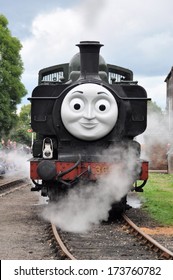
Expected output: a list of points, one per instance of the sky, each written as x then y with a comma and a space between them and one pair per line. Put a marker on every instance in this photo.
137, 35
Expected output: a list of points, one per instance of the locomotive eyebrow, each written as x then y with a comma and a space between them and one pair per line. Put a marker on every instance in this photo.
78, 91
102, 92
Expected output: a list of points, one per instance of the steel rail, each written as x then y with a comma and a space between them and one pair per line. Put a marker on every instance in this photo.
165, 253
61, 244
12, 186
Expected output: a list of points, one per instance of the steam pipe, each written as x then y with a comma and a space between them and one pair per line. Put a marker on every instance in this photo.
71, 168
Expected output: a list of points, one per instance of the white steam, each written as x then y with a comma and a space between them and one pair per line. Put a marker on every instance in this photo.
156, 140
157, 129
85, 206
16, 163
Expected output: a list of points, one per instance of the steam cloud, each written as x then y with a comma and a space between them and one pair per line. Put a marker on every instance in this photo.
85, 206
15, 162
156, 135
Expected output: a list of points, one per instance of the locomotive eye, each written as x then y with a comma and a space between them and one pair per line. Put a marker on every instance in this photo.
102, 106
77, 104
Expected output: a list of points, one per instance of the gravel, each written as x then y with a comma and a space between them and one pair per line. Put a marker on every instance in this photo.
23, 232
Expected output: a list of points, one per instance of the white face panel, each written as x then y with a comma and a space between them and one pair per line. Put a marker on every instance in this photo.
89, 111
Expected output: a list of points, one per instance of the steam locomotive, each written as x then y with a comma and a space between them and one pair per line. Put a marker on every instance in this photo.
80, 112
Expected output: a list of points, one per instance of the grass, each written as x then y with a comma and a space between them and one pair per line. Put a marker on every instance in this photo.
158, 198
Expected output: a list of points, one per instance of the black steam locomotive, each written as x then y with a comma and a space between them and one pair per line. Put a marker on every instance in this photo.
81, 112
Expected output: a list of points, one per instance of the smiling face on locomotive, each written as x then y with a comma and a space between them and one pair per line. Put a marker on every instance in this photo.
89, 111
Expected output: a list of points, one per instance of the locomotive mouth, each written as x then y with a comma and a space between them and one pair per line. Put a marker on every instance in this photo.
88, 125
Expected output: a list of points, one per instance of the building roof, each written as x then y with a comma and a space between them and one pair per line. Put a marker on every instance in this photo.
169, 75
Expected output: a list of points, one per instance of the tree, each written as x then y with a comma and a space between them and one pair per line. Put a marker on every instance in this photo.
154, 108
11, 68
22, 132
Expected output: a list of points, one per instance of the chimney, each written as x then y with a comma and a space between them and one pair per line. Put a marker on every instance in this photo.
89, 59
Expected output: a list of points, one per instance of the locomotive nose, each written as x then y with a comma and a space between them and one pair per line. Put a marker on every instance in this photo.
89, 113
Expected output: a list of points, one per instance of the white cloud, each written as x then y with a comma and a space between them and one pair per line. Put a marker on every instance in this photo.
136, 36
51, 38
155, 88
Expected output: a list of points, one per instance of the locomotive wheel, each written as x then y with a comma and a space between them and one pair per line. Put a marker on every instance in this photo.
117, 209
55, 194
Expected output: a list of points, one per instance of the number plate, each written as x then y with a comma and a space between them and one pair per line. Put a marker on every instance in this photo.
98, 169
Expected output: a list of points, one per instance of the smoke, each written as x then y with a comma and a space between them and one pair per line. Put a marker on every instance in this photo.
155, 141
15, 162
134, 200
157, 128
91, 11
85, 206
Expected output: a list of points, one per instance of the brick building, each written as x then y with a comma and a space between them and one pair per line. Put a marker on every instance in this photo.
169, 106
169, 98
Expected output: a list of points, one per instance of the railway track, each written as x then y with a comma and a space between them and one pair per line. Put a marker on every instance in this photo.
163, 252
11, 185
121, 240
